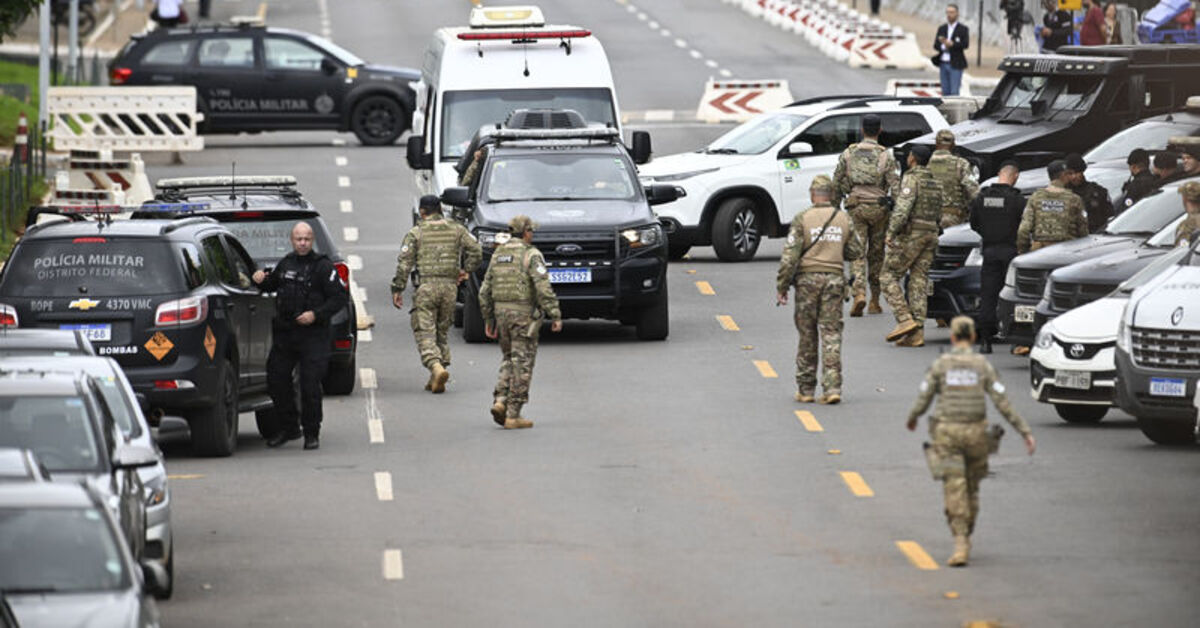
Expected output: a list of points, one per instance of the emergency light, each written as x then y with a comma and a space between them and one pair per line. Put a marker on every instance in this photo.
522, 36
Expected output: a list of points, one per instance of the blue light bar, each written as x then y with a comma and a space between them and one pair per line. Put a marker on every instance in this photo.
174, 208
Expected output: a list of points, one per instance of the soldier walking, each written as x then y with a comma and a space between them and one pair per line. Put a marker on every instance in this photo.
1096, 203
1186, 232
912, 236
515, 295
443, 253
820, 241
1054, 213
866, 180
956, 178
958, 429
995, 216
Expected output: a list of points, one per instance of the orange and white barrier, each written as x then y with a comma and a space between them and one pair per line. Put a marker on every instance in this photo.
737, 101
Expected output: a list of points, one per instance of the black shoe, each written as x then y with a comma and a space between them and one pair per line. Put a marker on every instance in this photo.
282, 437
985, 346
312, 442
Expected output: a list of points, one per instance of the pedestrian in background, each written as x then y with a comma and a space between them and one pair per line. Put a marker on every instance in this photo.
1096, 202
996, 216
951, 40
1112, 24
169, 13
956, 177
1166, 167
443, 253
1057, 26
308, 292
961, 443
1093, 31
912, 237
821, 240
516, 294
866, 179
1188, 148
1141, 181
875, 7
1186, 232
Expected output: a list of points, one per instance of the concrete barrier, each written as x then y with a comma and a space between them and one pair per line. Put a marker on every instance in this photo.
736, 101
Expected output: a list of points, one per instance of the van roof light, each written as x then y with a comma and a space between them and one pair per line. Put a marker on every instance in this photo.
500, 17
523, 36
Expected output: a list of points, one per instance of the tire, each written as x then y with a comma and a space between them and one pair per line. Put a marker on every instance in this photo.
654, 321
737, 230
1167, 432
166, 592
378, 121
473, 327
339, 380
267, 424
215, 429
1076, 413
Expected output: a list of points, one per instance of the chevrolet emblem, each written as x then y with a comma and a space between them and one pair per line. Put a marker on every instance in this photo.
84, 304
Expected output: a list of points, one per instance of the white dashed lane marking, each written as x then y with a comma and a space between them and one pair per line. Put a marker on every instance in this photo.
354, 262
383, 486
346, 206
343, 181
374, 419
393, 565
368, 378
350, 234
340, 160
337, 141
364, 335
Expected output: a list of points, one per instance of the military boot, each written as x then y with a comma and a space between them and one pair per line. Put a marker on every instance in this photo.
985, 345
429, 382
498, 411
874, 307
803, 397
517, 423
830, 399
915, 339
438, 378
860, 302
942, 324
1020, 350
902, 329
962, 551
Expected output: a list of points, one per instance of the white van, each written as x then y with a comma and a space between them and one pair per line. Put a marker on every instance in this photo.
506, 59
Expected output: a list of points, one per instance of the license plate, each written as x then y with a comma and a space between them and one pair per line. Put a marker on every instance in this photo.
1024, 313
570, 275
1168, 387
1078, 380
99, 332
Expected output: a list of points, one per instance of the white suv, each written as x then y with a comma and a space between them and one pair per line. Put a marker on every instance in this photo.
753, 180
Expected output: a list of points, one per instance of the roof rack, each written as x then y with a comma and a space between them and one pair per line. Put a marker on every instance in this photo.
904, 100
184, 222
177, 190
608, 134
821, 99
205, 182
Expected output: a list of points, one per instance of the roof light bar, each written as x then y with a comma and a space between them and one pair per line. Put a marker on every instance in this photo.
518, 36
207, 182
172, 207
117, 209
556, 134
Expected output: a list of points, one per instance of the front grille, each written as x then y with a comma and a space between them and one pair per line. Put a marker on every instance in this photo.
1031, 283
950, 257
1068, 296
1168, 403
579, 251
1085, 351
1166, 349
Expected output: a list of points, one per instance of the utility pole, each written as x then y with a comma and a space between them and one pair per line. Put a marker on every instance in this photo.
43, 60
73, 42
979, 38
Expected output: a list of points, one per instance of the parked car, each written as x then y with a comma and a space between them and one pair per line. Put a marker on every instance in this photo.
21, 342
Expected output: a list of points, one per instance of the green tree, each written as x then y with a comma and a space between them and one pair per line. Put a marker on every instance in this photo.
12, 13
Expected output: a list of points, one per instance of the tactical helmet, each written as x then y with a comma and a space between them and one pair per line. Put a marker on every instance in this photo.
945, 136
1190, 191
520, 224
822, 184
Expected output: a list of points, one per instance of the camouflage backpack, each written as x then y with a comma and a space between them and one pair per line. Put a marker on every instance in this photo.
438, 248
866, 163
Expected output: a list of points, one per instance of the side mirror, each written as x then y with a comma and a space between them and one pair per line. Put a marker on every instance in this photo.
799, 148
641, 149
328, 66
659, 194
154, 577
418, 159
133, 456
457, 197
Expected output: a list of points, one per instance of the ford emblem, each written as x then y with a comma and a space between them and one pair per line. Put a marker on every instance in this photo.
1077, 350
568, 249
1177, 316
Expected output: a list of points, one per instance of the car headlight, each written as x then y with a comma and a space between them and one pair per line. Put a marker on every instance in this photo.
1045, 337
1124, 336
155, 489
1010, 277
487, 239
975, 257
668, 178
641, 237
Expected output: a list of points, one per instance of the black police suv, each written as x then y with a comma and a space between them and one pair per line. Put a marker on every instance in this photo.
170, 300
258, 78
261, 211
605, 250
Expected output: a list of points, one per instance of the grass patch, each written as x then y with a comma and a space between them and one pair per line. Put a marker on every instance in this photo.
10, 108
9, 237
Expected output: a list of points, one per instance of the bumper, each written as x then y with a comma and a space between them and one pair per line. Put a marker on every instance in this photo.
634, 284
202, 375
679, 234
1043, 364
1017, 332
954, 292
1133, 392
158, 532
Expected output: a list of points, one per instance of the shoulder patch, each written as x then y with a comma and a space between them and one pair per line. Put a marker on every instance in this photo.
998, 387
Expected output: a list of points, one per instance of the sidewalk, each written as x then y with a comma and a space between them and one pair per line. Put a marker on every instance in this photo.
116, 22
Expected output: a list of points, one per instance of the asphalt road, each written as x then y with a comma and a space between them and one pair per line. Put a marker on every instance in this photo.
666, 483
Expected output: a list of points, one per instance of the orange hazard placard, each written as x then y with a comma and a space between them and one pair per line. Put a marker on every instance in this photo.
159, 345
210, 342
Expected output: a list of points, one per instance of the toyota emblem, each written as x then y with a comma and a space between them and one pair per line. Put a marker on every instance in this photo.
1077, 350
568, 249
1177, 316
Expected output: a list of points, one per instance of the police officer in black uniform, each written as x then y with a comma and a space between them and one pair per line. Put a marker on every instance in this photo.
1141, 181
308, 293
1095, 197
995, 214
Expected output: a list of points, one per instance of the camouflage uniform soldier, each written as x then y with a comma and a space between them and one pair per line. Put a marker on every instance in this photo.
1053, 214
436, 247
912, 237
1187, 230
866, 178
958, 428
820, 240
957, 178
515, 294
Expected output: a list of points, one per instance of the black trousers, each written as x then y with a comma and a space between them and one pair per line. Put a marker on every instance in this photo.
996, 258
307, 348
875, 7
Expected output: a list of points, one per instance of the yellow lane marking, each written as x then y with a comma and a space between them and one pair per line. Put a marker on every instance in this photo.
185, 476
383, 486
393, 565
764, 369
917, 555
834, 452
809, 421
857, 484
705, 288
727, 323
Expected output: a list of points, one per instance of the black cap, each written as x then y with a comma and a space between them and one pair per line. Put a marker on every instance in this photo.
1166, 160
1140, 157
1056, 168
1010, 163
922, 153
1076, 163
429, 201
871, 124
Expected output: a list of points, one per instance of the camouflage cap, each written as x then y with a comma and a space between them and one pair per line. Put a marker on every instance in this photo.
1186, 145
962, 327
821, 183
520, 224
1190, 191
945, 136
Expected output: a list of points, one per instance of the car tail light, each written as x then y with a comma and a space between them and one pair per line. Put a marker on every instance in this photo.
341, 344
91, 240
173, 384
343, 272
119, 75
8, 316
181, 312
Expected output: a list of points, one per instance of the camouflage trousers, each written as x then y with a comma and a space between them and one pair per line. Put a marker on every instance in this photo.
963, 448
518, 343
870, 223
818, 313
432, 315
912, 255
953, 216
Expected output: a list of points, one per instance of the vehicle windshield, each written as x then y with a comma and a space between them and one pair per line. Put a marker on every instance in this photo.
1151, 271
464, 112
343, 55
1069, 93
1150, 135
758, 135
95, 266
559, 176
268, 240
59, 550
57, 429
1148, 215
1165, 236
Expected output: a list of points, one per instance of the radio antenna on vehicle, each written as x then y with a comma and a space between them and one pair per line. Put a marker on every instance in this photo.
233, 181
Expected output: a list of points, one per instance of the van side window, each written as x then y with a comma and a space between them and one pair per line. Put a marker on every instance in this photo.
171, 52
832, 135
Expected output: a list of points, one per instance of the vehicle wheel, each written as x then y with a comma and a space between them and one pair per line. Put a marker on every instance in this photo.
339, 380
1167, 432
736, 231
1075, 413
378, 121
215, 429
677, 247
472, 318
654, 321
166, 592
268, 425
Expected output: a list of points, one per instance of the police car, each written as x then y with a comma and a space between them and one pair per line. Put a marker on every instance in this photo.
255, 78
170, 300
